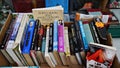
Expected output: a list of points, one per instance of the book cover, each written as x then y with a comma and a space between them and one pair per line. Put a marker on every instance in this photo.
48, 15
63, 3
29, 37
88, 33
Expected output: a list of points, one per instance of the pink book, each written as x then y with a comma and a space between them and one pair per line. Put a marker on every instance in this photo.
60, 37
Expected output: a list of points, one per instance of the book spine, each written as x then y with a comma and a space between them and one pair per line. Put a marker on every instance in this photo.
16, 27
35, 37
47, 41
44, 40
67, 48
29, 37
85, 42
40, 32
55, 36
71, 41
43, 44
76, 49
60, 37
50, 49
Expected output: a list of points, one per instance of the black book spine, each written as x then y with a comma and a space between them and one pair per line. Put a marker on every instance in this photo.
33, 46
76, 48
50, 48
79, 36
71, 41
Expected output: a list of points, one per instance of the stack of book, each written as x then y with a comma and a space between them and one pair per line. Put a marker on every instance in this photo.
46, 41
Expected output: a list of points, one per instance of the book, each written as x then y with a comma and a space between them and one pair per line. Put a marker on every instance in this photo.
41, 44
88, 33
55, 42
61, 46
11, 41
73, 59
17, 44
34, 45
67, 46
77, 47
63, 3
28, 41
85, 42
6, 39
48, 15
94, 33
50, 48
47, 56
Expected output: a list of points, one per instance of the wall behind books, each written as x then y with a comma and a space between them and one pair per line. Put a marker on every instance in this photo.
27, 5
73, 5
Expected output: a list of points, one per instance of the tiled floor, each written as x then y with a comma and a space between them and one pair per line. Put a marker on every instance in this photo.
116, 43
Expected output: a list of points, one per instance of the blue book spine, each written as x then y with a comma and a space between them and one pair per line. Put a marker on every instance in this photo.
63, 3
43, 44
55, 36
83, 36
16, 27
29, 37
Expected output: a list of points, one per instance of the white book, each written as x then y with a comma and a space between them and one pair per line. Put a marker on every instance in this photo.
11, 42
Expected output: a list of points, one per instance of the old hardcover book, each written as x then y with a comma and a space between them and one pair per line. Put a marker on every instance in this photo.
48, 15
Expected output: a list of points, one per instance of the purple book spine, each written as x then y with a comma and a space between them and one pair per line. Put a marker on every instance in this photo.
60, 38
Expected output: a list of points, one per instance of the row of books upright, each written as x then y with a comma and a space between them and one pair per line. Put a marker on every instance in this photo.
28, 42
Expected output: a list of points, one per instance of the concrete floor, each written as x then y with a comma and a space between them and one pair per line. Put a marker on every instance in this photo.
116, 43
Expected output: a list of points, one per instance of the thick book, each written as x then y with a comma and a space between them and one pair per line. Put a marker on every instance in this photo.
19, 38
10, 43
48, 15
28, 41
